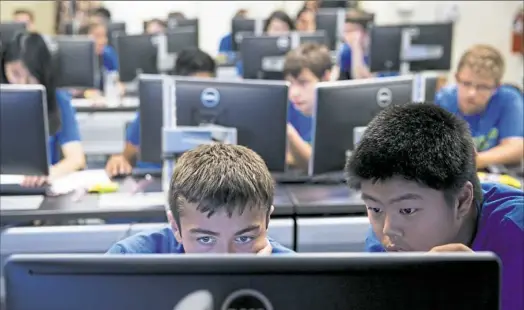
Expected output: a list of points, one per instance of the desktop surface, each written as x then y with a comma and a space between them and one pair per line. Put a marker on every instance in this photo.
324, 281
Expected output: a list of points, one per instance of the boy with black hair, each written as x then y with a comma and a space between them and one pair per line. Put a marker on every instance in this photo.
190, 62
100, 15
415, 167
220, 200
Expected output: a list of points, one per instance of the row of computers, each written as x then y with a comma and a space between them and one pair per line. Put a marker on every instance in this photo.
256, 109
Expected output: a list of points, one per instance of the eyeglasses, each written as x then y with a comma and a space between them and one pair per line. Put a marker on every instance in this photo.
480, 88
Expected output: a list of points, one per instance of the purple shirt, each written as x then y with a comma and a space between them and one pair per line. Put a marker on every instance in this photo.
501, 231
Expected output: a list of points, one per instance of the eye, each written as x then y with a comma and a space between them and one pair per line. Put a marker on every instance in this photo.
374, 210
206, 240
243, 239
408, 211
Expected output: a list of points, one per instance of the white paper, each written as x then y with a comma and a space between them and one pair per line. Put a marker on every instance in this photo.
128, 200
6, 179
79, 180
30, 202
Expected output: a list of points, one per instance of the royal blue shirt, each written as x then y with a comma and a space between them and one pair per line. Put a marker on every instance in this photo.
68, 131
133, 137
344, 62
300, 122
226, 47
163, 241
503, 117
109, 62
500, 230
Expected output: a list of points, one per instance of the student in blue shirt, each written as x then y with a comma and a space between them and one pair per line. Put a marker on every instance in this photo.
220, 201
495, 113
27, 60
304, 67
190, 62
415, 168
225, 48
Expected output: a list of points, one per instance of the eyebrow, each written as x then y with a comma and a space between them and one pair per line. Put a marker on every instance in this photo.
247, 229
203, 231
408, 196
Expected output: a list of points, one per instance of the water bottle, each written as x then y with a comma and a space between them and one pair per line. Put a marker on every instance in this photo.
111, 90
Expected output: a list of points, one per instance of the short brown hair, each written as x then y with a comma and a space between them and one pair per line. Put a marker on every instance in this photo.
25, 12
217, 177
484, 60
310, 55
359, 16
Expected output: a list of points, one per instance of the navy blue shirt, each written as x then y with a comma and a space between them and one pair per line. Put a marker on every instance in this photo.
109, 63
68, 131
300, 122
226, 47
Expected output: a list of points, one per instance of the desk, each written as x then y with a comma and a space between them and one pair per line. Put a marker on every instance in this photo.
325, 199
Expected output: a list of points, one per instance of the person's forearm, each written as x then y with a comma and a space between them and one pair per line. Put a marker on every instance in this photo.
501, 155
130, 152
359, 69
66, 166
300, 151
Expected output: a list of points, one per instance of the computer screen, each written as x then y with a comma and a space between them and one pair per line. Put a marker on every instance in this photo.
114, 28
8, 31
150, 95
332, 22
431, 84
386, 44
137, 54
263, 56
23, 130
362, 281
242, 27
344, 105
181, 38
174, 23
258, 110
76, 62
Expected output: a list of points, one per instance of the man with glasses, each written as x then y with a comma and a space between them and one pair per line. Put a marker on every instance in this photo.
495, 113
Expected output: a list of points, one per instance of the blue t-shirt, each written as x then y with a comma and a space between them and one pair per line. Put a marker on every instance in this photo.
500, 230
163, 241
133, 137
301, 122
68, 131
344, 62
503, 117
108, 63
226, 47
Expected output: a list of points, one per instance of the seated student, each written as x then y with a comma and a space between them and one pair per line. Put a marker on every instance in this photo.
304, 67
190, 62
225, 48
100, 15
155, 26
415, 167
27, 60
353, 59
108, 58
220, 201
25, 16
306, 20
495, 113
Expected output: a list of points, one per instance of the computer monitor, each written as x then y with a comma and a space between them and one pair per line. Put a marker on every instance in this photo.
433, 40
113, 29
263, 56
137, 54
174, 23
76, 62
8, 30
431, 84
23, 130
181, 38
344, 105
332, 22
150, 95
258, 110
242, 27
363, 281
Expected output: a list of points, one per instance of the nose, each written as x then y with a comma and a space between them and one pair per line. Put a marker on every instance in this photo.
391, 228
293, 92
472, 91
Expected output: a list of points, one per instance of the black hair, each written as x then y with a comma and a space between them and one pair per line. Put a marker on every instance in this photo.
282, 16
193, 60
25, 12
103, 12
154, 21
32, 50
419, 142
303, 10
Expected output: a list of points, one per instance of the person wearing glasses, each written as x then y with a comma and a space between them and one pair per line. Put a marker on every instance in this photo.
494, 112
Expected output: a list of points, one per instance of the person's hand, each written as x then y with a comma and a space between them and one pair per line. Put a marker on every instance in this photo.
95, 96
451, 247
118, 165
354, 38
34, 181
267, 250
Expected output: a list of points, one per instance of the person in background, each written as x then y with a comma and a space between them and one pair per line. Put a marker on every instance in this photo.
495, 113
190, 62
220, 201
176, 15
306, 20
25, 16
313, 5
353, 57
278, 23
100, 15
155, 26
304, 67
107, 56
415, 169
27, 60
225, 47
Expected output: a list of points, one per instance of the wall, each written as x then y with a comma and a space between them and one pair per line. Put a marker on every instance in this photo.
479, 22
44, 12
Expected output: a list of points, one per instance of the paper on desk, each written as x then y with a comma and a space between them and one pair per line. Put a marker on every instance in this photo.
6, 179
79, 180
131, 201
29, 202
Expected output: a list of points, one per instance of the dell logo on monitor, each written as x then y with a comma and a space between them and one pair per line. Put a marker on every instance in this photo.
384, 97
210, 97
246, 299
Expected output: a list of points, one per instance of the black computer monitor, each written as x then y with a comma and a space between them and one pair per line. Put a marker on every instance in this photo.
137, 54
242, 27
23, 130
363, 281
258, 110
181, 38
263, 56
386, 45
113, 29
174, 23
150, 95
431, 84
332, 22
76, 62
344, 105
8, 30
